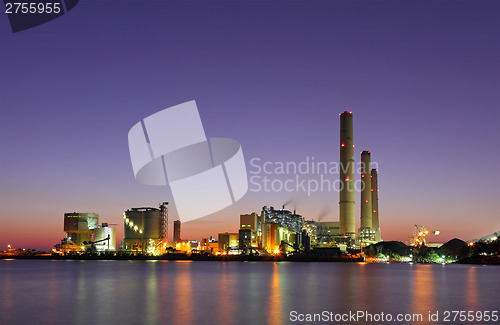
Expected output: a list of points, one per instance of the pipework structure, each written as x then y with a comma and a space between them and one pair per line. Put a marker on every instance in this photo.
346, 194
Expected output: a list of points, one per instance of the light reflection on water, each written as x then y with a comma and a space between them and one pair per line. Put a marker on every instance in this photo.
275, 312
167, 292
423, 289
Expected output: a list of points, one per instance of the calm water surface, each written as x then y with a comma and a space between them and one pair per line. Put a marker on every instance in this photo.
169, 292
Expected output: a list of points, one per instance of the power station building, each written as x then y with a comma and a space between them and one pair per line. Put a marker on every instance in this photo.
83, 233
145, 230
264, 232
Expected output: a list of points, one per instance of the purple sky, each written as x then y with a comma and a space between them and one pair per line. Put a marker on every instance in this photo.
422, 80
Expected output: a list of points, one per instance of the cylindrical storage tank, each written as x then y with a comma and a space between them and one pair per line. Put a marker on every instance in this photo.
102, 233
79, 227
152, 224
133, 224
80, 221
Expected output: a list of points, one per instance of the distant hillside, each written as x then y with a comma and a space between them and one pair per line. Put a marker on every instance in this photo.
452, 247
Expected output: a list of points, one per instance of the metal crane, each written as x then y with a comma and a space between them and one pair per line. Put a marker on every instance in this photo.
419, 233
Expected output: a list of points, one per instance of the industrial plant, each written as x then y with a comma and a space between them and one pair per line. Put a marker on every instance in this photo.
84, 233
270, 234
270, 231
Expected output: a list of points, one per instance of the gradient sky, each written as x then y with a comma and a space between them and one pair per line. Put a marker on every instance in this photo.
422, 79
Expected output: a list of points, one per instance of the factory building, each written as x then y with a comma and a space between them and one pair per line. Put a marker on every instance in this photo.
145, 230
283, 218
331, 228
322, 232
312, 228
277, 225
245, 239
228, 241
209, 245
79, 227
346, 195
177, 231
250, 223
84, 234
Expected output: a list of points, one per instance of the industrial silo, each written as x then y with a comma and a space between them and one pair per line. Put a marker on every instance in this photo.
145, 229
79, 227
105, 238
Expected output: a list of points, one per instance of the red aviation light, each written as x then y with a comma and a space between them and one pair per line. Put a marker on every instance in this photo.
366, 201
362, 175
347, 179
372, 190
342, 145
374, 210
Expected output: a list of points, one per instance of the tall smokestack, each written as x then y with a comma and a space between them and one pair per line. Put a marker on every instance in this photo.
366, 194
346, 195
374, 190
263, 230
